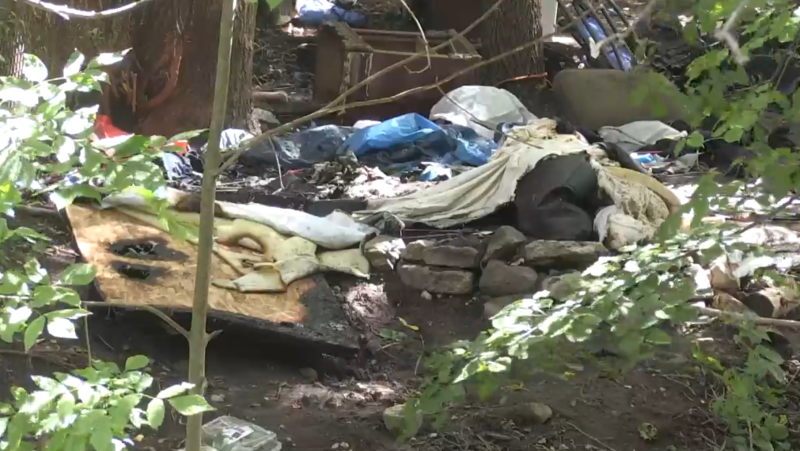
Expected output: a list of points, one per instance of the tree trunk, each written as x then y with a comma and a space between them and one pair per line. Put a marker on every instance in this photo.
515, 23
166, 85
174, 45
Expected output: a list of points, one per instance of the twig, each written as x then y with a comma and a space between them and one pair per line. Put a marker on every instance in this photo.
88, 341
724, 34
331, 107
277, 162
422, 36
68, 13
148, 308
592, 438
758, 321
775, 211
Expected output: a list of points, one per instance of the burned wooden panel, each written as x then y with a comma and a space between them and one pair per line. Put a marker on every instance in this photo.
139, 265
346, 56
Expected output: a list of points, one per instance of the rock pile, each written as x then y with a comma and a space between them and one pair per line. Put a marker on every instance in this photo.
501, 267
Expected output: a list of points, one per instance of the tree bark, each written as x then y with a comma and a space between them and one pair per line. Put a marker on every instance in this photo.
517, 22
190, 30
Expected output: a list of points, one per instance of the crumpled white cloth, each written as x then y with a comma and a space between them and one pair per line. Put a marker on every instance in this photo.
482, 190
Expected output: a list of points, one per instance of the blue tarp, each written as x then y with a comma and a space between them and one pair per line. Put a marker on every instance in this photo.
412, 137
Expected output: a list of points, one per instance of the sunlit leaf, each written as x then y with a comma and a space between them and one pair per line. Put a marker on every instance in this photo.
190, 404
136, 362
77, 274
33, 69
175, 390
155, 413
61, 328
74, 64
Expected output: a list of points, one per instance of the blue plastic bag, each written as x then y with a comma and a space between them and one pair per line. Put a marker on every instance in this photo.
406, 129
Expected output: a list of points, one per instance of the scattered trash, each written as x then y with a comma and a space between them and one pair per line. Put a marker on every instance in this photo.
232, 434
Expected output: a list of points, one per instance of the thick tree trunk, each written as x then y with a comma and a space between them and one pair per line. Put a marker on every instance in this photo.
517, 22
174, 46
166, 85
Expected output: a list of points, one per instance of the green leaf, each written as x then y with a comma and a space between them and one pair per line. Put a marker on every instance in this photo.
695, 140
77, 274
657, 336
66, 406
190, 405
155, 413
3, 426
136, 362
102, 437
61, 328
74, 64
274, 3
175, 390
33, 69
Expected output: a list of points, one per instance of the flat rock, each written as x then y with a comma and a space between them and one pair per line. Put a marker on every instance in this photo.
437, 280
383, 252
562, 253
452, 256
500, 279
608, 90
504, 244
415, 249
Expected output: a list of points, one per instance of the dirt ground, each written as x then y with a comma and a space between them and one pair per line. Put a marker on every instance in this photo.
271, 385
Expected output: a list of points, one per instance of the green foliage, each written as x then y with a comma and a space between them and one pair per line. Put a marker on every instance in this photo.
635, 302
46, 148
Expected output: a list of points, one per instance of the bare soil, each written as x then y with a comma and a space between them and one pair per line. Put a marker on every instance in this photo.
253, 379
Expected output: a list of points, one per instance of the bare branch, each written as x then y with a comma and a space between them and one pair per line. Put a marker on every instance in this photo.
147, 308
725, 33
758, 321
422, 36
68, 13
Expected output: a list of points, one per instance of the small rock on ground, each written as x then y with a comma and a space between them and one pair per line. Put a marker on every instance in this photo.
309, 373
531, 413
500, 279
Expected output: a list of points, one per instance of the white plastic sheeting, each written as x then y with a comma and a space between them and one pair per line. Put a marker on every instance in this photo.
633, 136
480, 107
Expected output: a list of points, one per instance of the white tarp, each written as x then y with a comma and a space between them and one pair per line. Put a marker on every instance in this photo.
633, 136
481, 191
481, 107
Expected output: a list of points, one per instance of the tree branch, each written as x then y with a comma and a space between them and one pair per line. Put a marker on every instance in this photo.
68, 13
725, 33
758, 321
146, 308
